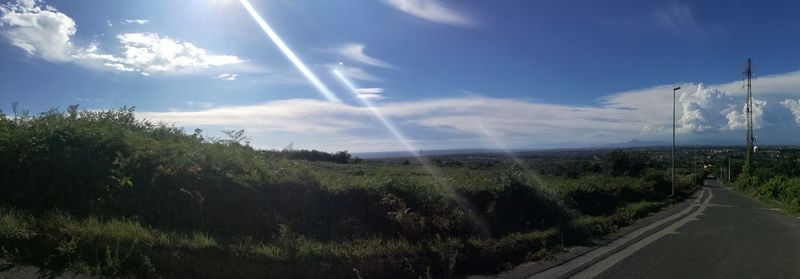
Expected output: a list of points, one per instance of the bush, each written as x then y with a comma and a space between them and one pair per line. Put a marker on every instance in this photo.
783, 189
773, 188
621, 163
15, 225
746, 182
641, 209
340, 157
598, 195
104, 192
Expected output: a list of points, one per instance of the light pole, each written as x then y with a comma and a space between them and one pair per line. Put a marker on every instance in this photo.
673, 139
729, 170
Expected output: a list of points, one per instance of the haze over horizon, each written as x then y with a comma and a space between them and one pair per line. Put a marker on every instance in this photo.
450, 75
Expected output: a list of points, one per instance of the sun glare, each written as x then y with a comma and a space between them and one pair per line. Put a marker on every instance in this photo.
289, 53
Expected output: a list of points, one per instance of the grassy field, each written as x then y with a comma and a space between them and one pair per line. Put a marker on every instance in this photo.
774, 179
107, 194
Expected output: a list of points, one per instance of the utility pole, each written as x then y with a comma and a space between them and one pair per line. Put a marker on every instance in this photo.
748, 75
729, 169
673, 139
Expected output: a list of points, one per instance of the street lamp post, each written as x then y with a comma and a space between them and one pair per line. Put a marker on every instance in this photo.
673, 139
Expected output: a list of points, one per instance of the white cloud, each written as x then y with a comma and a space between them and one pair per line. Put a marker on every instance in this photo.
302, 116
229, 77
737, 119
782, 84
506, 117
702, 109
794, 107
119, 67
371, 97
371, 93
431, 10
203, 105
354, 72
371, 90
703, 113
135, 21
152, 53
356, 53
43, 31
709, 110
37, 29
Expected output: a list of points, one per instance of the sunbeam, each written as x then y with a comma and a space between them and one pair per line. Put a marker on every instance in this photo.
353, 90
437, 176
462, 202
289, 53
498, 144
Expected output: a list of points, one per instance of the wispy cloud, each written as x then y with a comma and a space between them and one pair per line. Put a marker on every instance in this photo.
135, 21
794, 107
371, 93
638, 114
431, 10
202, 105
354, 72
301, 116
355, 52
773, 85
453, 117
680, 19
228, 77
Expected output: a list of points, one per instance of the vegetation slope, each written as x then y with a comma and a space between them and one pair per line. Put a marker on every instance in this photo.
102, 192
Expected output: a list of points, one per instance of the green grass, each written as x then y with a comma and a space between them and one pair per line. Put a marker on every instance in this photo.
106, 193
776, 190
15, 224
96, 246
640, 209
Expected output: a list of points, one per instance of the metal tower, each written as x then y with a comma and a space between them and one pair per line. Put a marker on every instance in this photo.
748, 76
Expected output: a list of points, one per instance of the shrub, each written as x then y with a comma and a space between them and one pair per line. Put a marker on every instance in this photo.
773, 188
120, 197
340, 157
621, 163
15, 225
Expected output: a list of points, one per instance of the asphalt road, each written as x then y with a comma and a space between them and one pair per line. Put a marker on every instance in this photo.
732, 237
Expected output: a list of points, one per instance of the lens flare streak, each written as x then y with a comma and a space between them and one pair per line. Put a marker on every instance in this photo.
462, 202
399, 135
289, 53
510, 154
437, 176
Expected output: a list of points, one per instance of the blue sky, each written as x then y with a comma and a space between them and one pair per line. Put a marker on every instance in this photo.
447, 74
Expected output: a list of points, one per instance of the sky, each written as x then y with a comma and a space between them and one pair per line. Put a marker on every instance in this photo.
425, 74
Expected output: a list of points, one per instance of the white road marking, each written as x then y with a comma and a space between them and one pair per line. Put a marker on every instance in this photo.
736, 206
564, 268
610, 261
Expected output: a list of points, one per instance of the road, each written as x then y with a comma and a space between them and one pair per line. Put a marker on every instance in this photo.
13, 271
730, 236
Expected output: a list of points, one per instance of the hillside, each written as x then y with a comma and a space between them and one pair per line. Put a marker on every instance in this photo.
102, 192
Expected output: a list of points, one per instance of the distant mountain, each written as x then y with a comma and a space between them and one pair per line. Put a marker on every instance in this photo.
400, 154
682, 143
637, 143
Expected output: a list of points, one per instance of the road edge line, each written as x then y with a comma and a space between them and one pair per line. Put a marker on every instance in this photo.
622, 241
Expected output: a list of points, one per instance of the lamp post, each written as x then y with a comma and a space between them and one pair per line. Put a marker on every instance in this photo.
673, 139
